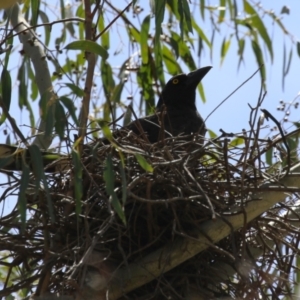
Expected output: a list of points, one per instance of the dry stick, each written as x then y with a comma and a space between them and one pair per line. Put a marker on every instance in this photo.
182, 249
232, 93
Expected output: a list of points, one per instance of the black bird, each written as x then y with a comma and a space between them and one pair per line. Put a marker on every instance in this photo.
176, 111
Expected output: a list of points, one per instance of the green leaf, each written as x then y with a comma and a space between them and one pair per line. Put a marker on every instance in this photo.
298, 48
222, 9
35, 6
128, 114
117, 92
105, 35
201, 92
185, 19
212, 134
75, 89
6, 88
134, 34
143, 163
105, 129
184, 50
109, 178
260, 61
144, 40
68, 103
144, 80
171, 63
22, 201
88, 46
6, 92
224, 48
201, 34
269, 156
241, 45
256, 22
236, 142
60, 120
108, 87
202, 8
159, 17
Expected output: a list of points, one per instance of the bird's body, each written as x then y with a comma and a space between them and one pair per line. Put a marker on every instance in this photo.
176, 111
176, 114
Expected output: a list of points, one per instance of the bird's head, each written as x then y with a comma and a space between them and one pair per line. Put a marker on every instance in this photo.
180, 90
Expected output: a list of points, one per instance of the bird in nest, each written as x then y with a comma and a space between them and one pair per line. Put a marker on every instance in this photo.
175, 114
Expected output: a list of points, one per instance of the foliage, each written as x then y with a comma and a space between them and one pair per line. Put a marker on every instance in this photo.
97, 64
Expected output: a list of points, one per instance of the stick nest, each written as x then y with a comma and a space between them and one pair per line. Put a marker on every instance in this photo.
128, 199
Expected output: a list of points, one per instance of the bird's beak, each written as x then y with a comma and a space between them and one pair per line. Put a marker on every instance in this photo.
196, 76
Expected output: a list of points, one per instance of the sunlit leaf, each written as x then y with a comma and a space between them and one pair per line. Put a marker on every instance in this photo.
201, 34
185, 16
236, 142
159, 17
241, 45
201, 92
143, 163
134, 34
171, 63
222, 8
224, 48
212, 134
105, 35
88, 46
260, 61
259, 25
144, 40
184, 51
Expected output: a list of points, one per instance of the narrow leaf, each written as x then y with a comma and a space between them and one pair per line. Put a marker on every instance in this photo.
75, 89
88, 46
143, 163
22, 201
224, 48
68, 103
144, 40
256, 22
260, 61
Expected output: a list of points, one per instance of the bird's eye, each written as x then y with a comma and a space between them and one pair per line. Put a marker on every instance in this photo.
175, 81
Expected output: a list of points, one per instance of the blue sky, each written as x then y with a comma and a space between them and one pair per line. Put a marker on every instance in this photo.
232, 116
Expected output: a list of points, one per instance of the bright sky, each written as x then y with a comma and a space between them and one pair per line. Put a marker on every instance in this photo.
233, 115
